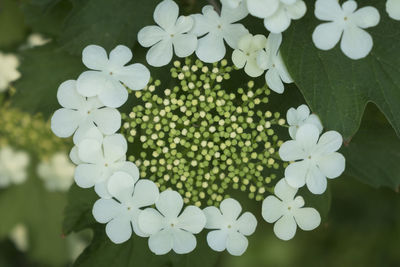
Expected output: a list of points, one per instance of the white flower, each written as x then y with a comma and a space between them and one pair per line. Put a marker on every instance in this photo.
57, 173
231, 228
36, 39
246, 54
121, 212
271, 60
393, 9
300, 116
288, 212
215, 29
13, 166
315, 159
231, 3
79, 114
346, 23
19, 236
8, 70
277, 14
100, 161
104, 80
171, 35
169, 230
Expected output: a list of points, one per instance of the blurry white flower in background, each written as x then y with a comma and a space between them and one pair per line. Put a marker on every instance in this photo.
57, 173
8, 70
13, 165
19, 236
36, 39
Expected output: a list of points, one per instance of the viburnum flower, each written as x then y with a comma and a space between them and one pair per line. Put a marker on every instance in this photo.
277, 14
106, 74
13, 166
214, 29
168, 227
80, 114
393, 9
171, 35
271, 60
300, 116
246, 54
345, 23
287, 211
57, 173
100, 161
91, 133
231, 229
8, 70
232, 3
121, 212
316, 158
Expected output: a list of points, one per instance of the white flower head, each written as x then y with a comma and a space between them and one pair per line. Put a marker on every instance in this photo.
231, 227
271, 60
393, 9
121, 212
232, 3
20, 237
315, 158
171, 35
100, 160
36, 39
106, 74
80, 114
277, 14
346, 23
13, 166
245, 56
214, 29
300, 116
8, 70
287, 211
57, 173
168, 227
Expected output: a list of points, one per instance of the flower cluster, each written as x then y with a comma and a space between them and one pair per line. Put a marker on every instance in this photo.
8, 70
13, 166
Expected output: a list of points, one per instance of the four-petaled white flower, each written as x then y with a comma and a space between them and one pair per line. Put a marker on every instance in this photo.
215, 29
277, 14
346, 23
8, 70
300, 116
246, 54
271, 60
316, 158
13, 166
171, 34
232, 3
287, 212
106, 74
121, 212
393, 9
79, 114
100, 161
231, 229
168, 229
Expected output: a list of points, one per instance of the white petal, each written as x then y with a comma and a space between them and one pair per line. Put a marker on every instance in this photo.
307, 136
393, 9
89, 131
170, 203
230, 209
274, 81
150, 221
296, 10
278, 22
231, 3
135, 76
108, 120
356, 43
328, 10
314, 119
247, 223
211, 48
131, 169
239, 59
68, 97
233, 33
366, 17
245, 42
204, 23
329, 142
160, 54
284, 191
217, 240
214, 218
262, 8
295, 174
161, 243
146, 193
183, 25
183, 242
272, 209
65, 122
327, 35
94, 57
115, 147
113, 94
273, 43
252, 69
192, 220
166, 14
104, 210
119, 230
332, 165
263, 61
282, 70
291, 150
90, 83
150, 35
120, 55
101, 189
231, 15
285, 227
185, 44
316, 181
89, 150
121, 186
86, 175
307, 218
73, 155
236, 243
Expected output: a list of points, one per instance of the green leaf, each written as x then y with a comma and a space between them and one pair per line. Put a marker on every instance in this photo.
105, 23
373, 155
43, 69
12, 27
338, 88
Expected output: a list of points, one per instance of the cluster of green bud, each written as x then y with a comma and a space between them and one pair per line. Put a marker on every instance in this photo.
202, 140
